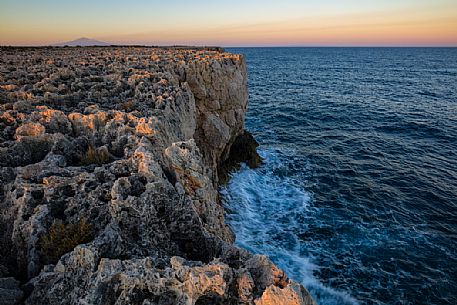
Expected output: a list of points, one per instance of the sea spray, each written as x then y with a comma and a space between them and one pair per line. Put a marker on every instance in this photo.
267, 209
370, 134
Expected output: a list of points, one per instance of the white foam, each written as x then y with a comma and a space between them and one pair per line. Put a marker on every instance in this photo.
266, 206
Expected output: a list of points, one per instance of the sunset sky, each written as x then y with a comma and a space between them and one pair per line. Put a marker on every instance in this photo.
232, 22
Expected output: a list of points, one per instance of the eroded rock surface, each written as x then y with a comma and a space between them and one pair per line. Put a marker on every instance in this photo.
109, 165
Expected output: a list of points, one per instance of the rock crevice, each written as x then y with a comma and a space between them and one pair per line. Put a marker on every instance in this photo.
110, 160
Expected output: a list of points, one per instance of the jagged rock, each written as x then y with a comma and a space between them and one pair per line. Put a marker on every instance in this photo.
54, 120
243, 149
29, 130
293, 294
110, 159
216, 132
9, 291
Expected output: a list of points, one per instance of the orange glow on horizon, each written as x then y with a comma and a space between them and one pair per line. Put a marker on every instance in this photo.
400, 27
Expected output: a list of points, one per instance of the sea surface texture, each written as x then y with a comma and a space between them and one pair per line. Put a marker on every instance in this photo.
357, 196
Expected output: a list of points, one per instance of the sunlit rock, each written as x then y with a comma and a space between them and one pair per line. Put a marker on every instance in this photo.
109, 179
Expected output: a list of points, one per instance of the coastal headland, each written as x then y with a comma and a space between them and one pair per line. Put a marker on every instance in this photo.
110, 162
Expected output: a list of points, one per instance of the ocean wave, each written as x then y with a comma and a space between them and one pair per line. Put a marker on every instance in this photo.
361, 142
265, 209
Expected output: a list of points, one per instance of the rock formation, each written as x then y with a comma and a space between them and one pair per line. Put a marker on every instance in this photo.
109, 166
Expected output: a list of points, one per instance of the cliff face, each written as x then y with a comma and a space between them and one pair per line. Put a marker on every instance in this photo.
110, 160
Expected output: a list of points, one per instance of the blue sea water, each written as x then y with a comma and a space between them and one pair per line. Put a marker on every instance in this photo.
357, 196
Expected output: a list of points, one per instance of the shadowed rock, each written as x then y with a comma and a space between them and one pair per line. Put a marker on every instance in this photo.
242, 150
120, 148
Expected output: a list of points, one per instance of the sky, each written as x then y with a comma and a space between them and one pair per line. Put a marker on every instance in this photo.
232, 22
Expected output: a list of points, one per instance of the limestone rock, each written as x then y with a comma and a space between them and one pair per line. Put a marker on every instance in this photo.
109, 166
293, 294
10, 292
29, 130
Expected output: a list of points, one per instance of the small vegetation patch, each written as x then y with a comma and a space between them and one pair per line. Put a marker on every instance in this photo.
128, 106
62, 238
95, 156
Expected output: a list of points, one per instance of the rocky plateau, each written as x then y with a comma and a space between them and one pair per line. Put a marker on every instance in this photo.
110, 162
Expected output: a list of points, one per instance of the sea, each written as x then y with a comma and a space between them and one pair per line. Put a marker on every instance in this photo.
356, 198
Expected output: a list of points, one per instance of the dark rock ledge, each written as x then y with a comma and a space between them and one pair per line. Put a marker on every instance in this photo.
109, 165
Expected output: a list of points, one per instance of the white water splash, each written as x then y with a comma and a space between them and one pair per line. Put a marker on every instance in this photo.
266, 210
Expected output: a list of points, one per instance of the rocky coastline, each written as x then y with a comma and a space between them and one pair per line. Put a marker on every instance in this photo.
110, 161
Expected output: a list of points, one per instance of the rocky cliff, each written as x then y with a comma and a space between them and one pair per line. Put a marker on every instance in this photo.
109, 166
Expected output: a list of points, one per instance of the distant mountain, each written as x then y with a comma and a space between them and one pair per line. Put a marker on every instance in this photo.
82, 42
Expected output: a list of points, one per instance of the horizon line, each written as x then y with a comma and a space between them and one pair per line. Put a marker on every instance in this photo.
229, 46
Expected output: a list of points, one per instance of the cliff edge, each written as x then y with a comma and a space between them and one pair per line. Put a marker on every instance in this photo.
109, 166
